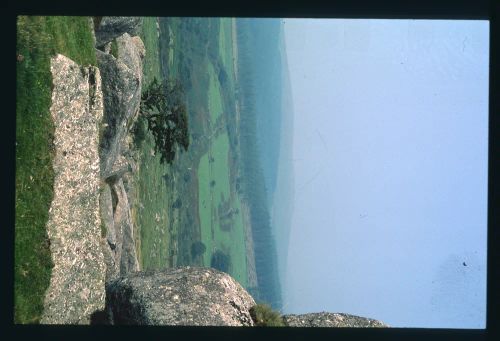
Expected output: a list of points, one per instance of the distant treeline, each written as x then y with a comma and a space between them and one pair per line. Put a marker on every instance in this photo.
264, 63
252, 183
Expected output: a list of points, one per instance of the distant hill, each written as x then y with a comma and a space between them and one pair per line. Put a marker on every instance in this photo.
266, 64
282, 204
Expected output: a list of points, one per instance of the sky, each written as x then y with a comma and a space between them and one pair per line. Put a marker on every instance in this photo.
390, 162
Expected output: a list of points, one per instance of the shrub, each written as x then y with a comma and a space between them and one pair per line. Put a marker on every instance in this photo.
197, 249
263, 315
220, 261
177, 203
139, 131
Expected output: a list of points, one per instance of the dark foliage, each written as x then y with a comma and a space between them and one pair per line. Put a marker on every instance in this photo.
220, 261
177, 203
139, 131
197, 249
252, 183
165, 111
263, 315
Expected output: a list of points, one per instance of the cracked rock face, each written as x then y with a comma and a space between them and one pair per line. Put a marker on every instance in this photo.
122, 96
76, 286
189, 296
112, 27
330, 320
122, 84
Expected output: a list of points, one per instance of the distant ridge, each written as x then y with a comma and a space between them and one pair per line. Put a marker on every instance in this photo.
282, 205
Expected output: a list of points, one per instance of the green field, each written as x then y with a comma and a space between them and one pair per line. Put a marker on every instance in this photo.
151, 212
38, 39
199, 180
214, 95
226, 46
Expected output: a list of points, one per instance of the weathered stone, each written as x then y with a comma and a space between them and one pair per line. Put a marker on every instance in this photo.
118, 169
190, 296
122, 95
126, 255
112, 269
76, 287
131, 52
113, 27
324, 319
106, 208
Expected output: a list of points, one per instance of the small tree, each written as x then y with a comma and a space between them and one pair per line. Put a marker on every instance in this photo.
163, 107
220, 261
197, 249
177, 203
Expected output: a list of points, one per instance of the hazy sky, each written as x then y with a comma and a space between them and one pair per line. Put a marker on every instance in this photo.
390, 151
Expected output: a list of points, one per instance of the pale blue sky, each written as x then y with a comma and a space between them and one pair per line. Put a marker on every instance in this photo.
390, 150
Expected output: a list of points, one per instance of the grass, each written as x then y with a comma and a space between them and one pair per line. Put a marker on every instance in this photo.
168, 242
114, 48
226, 47
38, 38
214, 95
152, 213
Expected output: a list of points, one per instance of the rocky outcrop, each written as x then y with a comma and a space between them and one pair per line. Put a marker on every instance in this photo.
122, 95
122, 83
125, 251
113, 27
119, 243
76, 287
330, 320
188, 296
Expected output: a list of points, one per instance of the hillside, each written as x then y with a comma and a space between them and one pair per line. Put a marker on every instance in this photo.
282, 205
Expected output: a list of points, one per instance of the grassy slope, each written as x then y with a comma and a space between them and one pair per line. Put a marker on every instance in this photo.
151, 211
214, 95
38, 38
217, 198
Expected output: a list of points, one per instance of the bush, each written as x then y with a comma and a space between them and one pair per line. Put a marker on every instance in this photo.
220, 261
177, 203
197, 249
263, 315
139, 131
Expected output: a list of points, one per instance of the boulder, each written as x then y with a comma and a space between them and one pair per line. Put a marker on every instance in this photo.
131, 52
118, 169
112, 269
324, 319
106, 207
113, 27
76, 286
189, 296
122, 95
126, 256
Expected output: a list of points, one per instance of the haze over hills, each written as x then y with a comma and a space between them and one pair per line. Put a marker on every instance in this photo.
283, 198
266, 66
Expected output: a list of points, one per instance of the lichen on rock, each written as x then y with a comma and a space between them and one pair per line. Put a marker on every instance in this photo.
113, 27
188, 296
325, 319
76, 286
